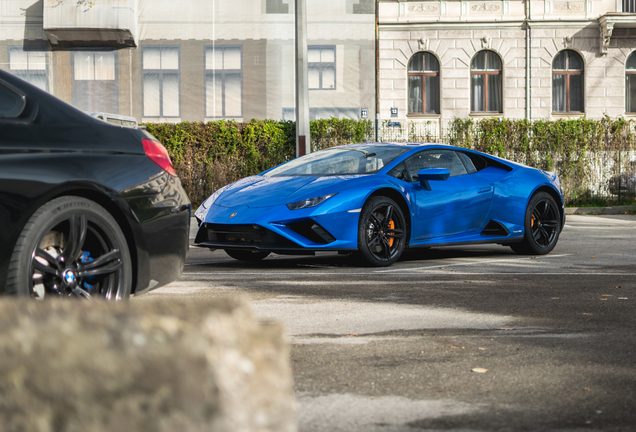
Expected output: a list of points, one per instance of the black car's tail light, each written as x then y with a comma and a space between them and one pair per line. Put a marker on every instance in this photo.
159, 155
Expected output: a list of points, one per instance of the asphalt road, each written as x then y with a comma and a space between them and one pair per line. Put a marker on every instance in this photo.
462, 339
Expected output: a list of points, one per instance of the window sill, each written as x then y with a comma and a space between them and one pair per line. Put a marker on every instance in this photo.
423, 116
486, 115
161, 120
568, 115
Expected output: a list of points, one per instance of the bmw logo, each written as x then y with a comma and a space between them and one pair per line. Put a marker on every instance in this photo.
232, 215
69, 277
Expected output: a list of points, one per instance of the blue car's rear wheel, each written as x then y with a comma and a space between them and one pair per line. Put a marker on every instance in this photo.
542, 226
381, 232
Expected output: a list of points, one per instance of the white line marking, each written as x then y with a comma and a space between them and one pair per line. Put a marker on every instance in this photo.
469, 263
419, 274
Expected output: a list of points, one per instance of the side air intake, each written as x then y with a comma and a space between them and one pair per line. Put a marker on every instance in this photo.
495, 229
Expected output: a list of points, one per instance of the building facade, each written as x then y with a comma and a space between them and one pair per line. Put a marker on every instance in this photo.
545, 59
192, 60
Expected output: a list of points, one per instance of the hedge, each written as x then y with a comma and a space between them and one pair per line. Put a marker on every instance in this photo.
587, 154
210, 155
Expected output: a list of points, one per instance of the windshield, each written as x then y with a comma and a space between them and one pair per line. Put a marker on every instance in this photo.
340, 161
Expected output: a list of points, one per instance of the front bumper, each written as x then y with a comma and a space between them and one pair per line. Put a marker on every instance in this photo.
279, 229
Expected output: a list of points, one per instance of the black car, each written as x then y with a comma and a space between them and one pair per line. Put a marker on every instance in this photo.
87, 209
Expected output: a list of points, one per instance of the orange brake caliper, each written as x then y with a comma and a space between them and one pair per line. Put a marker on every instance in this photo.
391, 227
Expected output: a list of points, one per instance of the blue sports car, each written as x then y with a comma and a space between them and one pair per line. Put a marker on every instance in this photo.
378, 199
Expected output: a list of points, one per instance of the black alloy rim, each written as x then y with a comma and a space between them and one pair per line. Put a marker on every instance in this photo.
544, 223
384, 233
76, 258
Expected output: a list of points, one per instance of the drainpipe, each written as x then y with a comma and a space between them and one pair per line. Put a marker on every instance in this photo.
377, 70
528, 60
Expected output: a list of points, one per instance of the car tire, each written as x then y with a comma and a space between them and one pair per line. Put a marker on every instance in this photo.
381, 232
247, 255
71, 247
542, 226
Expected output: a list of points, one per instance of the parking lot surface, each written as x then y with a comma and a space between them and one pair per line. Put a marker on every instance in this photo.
462, 338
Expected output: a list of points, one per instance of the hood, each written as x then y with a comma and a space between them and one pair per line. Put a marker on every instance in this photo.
261, 191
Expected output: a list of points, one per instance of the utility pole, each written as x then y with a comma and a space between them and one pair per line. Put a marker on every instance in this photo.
303, 135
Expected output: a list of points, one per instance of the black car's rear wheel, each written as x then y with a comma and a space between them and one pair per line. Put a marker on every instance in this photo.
381, 232
247, 255
71, 247
542, 226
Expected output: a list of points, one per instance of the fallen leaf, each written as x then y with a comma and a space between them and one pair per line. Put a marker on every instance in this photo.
555, 298
442, 268
514, 279
353, 334
592, 257
533, 257
586, 389
618, 286
483, 349
480, 370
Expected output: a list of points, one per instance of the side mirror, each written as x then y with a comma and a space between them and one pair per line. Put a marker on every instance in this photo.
438, 174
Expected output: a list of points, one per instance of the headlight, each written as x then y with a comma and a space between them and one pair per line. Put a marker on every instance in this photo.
203, 208
311, 202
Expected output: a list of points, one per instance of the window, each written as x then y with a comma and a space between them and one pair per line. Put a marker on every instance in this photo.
322, 67
29, 65
223, 82
95, 81
161, 81
629, 6
11, 103
277, 6
485, 82
434, 159
423, 84
567, 82
364, 7
630, 84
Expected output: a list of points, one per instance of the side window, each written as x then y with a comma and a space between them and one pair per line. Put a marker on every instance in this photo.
11, 103
401, 173
435, 159
468, 162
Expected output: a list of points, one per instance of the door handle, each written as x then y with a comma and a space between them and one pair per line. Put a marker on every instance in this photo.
485, 189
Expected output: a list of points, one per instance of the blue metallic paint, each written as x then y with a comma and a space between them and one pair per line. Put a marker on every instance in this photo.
454, 211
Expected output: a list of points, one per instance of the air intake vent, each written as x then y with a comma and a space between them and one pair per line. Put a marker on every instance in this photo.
495, 228
312, 231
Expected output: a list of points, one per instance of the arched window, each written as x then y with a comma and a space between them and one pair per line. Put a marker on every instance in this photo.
567, 82
630, 84
423, 84
485, 82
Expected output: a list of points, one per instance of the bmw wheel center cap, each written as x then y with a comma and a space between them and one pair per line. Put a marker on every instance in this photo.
69, 277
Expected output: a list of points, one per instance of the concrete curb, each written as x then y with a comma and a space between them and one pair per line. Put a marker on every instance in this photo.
599, 210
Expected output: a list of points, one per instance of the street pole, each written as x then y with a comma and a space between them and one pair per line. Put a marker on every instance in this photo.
303, 135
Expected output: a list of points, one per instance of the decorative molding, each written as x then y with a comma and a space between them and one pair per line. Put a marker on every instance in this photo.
486, 7
424, 44
569, 7
423, 8
486, 42
606, 33
567, 42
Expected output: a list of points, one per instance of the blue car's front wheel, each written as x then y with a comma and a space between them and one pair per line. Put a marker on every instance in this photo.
381, 232
542, 226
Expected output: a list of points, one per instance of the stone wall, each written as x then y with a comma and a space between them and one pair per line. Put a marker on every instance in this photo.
151, 366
